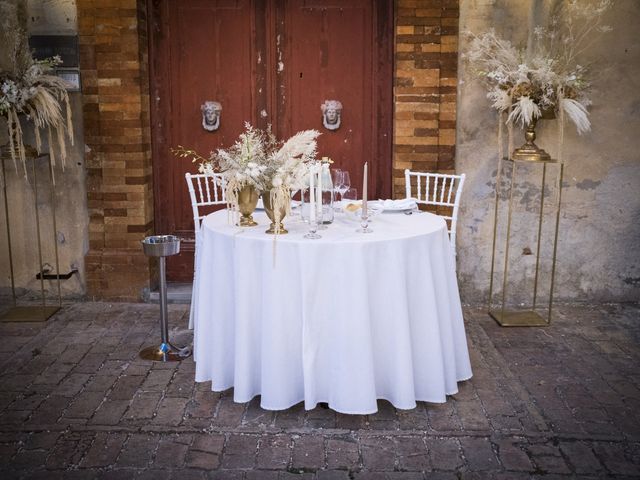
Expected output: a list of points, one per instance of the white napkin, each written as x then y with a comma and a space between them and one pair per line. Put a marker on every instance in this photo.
401, 204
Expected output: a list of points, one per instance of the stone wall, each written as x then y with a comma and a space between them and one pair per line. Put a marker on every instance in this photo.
70, 235
599, 239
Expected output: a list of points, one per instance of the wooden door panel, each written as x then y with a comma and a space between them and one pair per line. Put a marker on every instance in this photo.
202, 72
191, 68
333, 51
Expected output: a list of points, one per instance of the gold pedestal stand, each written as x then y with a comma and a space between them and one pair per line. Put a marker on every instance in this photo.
526, 314
42, 312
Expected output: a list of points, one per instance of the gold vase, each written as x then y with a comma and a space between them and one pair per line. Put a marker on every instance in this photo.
274, 227
247, 201
530, 151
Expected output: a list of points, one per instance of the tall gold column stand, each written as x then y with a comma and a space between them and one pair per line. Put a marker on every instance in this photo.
41, 312
162, 246
521, 302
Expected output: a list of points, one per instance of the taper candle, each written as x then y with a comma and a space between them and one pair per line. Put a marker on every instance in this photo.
364, 190
312, 194
319, 194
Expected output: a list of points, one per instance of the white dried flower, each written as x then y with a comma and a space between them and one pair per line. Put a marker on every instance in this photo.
527, 82
578, 114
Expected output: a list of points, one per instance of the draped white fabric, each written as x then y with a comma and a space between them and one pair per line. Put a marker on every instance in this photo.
345, 319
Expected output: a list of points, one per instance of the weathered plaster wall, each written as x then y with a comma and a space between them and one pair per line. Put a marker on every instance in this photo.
48, 18
599, 239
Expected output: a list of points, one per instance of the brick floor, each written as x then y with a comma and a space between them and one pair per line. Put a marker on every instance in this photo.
558, 402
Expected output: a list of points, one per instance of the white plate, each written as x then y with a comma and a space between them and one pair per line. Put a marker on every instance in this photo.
397, 210
393, 208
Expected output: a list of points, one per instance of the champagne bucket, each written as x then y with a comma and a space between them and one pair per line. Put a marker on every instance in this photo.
161, 246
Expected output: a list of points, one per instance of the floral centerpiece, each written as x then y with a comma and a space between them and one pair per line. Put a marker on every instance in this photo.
524, 84
258, 161
29, 91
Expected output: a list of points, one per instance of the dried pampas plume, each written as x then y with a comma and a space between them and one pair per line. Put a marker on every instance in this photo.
29, 94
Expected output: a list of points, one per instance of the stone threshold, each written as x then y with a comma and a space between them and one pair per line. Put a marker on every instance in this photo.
177, 293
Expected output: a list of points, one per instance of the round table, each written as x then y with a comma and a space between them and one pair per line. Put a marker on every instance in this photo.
345, 319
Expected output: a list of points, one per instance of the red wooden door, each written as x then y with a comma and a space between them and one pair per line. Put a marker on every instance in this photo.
266, 62
339, 50
201, 50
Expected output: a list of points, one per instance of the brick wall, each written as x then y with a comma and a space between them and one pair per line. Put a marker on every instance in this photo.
113, 60
426, 58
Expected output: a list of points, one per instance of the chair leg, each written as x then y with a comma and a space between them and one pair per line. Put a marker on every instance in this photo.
193, 289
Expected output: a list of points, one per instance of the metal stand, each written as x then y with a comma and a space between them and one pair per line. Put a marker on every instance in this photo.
162, 246
520, 313
31, 313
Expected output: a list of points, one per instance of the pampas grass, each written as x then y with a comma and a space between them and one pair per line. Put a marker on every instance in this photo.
525, 82
29, 94
524, 111
578, 114
258, 159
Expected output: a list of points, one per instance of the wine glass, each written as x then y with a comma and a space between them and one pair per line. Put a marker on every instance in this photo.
346, 182
350, 194
336, 178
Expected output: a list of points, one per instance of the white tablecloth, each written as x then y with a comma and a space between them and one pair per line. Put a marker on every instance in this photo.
345, 319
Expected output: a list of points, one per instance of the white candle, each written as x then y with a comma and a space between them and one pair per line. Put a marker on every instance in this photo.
319, 195
312, 195
364, 191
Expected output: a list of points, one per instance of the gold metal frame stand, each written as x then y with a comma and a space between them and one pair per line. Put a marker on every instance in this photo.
525, 315
42, 312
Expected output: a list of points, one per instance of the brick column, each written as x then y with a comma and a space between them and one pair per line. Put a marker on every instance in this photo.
426, 59
114, 68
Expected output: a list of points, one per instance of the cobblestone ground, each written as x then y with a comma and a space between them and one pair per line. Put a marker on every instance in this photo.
76, 402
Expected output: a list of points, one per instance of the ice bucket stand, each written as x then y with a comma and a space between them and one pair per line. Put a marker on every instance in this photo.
162, 246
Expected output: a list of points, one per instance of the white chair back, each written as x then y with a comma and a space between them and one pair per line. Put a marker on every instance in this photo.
205, 190
440, 190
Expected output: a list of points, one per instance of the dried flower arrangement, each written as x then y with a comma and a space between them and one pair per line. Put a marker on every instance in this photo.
27, 89
258, 159
524, 84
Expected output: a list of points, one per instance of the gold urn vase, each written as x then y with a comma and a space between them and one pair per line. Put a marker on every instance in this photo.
530, 151
275, 227
247, 201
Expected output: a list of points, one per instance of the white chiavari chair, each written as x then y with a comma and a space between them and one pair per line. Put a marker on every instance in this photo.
439, 190
205, 190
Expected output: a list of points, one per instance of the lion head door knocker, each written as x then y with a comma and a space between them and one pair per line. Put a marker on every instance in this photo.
211, 115
331, 114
